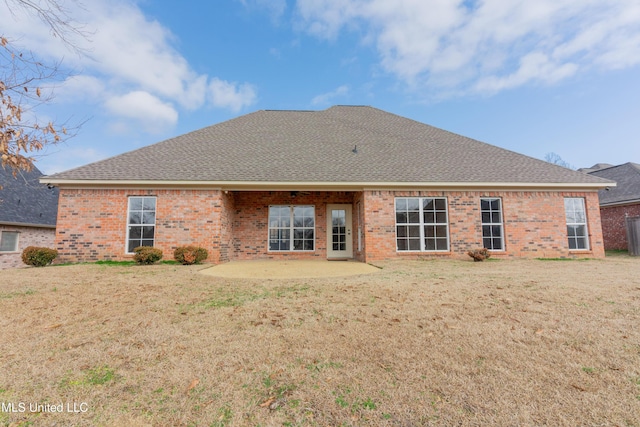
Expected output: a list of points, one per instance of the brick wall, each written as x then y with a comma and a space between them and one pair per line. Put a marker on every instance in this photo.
92, 223
234, 225
614, 226
29, 236
534, 224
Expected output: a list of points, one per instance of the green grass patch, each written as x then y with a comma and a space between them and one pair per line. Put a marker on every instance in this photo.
616, 252
114, 263
7, 295
317, 366
225, 415
110, 262
236, 298
564, 259
99, 375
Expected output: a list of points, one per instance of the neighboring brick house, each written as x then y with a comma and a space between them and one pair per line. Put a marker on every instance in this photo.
346, 182
28, 212
618, 203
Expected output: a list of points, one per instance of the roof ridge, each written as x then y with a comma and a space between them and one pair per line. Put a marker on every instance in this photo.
636, 166
291, 111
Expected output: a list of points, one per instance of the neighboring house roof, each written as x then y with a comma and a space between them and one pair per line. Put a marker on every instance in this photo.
595, 167
627, 190
24, 201
340, 146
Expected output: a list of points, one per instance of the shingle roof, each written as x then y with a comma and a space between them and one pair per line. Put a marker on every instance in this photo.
627, 177
595, 167
23, 200
343, 144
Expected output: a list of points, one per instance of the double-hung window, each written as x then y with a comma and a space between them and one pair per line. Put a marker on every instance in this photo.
291, 228
9, 241
422, 224
492, 226
576, 223
141, 222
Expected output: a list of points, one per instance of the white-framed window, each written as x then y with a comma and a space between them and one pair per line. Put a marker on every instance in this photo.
292, 228
422, 224
141, 222
9, 241
492, 224
576, 223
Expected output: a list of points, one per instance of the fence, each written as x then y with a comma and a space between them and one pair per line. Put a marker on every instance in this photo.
633, 235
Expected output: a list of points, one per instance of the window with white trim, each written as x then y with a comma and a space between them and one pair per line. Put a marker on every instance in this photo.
576, 223
292, 228
9, 241
141, 222
422, 224
492, 226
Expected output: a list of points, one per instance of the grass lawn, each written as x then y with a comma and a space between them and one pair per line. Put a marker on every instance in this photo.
508, 343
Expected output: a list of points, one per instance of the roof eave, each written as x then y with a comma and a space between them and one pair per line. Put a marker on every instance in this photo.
26, 224
620, 203
322, 185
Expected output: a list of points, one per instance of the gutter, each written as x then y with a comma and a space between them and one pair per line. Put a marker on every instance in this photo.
620, 203
320, 185
27, 224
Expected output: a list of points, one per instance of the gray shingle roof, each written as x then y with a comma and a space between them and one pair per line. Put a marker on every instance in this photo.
627, 177
595, 167
318, 146
23, 200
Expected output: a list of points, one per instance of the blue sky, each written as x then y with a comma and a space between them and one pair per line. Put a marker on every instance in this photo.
558, 76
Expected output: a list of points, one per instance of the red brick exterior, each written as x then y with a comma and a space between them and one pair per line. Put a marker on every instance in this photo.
534, 224
234, 225
614, 226
29, 236
92, 224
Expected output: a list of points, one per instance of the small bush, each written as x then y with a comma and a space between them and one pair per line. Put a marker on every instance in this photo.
146, 255
479, 254
188, 255
38, 257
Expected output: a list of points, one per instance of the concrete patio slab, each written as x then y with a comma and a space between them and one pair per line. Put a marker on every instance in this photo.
289, 269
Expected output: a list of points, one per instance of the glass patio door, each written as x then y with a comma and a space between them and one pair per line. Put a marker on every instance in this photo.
339, 236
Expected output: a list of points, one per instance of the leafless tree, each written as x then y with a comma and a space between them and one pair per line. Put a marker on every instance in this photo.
23, 81
555, 159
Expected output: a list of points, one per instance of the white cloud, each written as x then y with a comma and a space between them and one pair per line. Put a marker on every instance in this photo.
484, 45
327, 98
80, 88
156, 116
533, 67
233, 96
126, 53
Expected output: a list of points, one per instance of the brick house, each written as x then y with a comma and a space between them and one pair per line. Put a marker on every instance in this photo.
618, 203
28, 212
346, 182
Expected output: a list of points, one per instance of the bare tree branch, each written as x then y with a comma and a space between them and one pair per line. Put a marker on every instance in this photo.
555, 159
56, 17
23, 87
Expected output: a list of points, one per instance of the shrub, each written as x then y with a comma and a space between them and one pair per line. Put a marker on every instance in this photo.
38, 257
479, 254
188, 255
147, 255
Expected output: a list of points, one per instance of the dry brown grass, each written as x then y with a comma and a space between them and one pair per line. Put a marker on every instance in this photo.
441, 343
